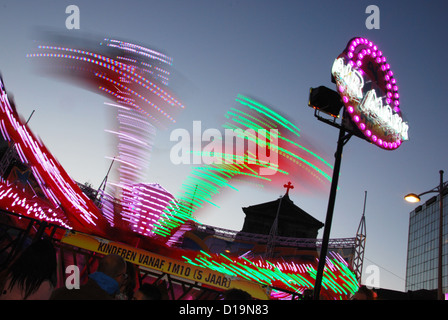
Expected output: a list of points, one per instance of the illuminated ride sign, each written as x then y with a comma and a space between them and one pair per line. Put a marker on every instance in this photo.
370, 93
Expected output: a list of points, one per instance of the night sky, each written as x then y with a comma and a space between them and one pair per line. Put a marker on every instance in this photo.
273, 51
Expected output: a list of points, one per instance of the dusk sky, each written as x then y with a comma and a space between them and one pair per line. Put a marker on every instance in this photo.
273, 51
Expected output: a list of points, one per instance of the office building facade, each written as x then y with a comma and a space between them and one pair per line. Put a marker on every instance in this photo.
423, 246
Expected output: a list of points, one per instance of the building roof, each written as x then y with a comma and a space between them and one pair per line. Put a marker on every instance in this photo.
292, 221
288, 211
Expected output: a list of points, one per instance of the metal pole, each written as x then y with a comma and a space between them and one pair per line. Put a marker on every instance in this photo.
439, 286
329, 218
273, 234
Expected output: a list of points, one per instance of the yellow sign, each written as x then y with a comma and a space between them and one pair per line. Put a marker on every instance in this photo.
164, 264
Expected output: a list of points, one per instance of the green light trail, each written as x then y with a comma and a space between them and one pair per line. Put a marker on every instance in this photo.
206, 181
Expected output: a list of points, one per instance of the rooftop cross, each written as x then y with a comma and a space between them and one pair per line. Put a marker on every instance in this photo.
288, 186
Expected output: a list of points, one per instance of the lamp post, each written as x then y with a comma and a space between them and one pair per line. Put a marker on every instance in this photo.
412, 197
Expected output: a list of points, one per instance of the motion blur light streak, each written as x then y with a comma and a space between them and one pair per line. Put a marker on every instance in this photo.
24, 203
145, 204
136, 78
339, 280
120, 73
59, 188
112, 75
205, 182
288, 146
288, 276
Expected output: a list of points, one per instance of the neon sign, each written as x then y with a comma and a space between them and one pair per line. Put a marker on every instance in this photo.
369, 92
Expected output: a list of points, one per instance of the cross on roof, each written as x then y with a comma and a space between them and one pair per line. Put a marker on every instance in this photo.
288, 186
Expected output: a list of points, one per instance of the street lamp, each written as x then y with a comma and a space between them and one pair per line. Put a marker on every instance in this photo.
412, 197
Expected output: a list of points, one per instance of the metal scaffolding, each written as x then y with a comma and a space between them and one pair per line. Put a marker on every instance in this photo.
360, 243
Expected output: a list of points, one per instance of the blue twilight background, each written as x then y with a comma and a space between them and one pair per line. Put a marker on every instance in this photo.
273, 51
